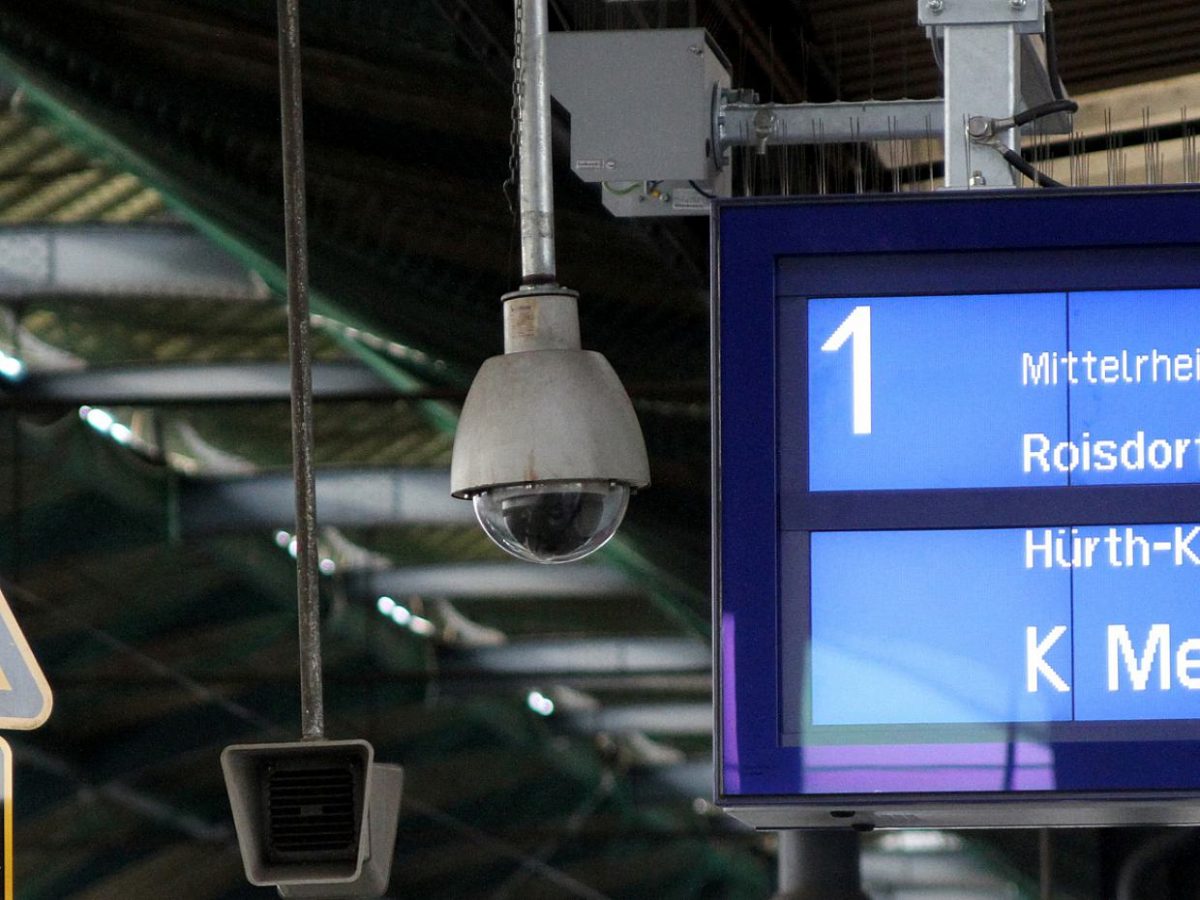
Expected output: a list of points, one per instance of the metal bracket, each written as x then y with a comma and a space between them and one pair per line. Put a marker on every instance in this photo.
739, 121
1028, 16
634, 97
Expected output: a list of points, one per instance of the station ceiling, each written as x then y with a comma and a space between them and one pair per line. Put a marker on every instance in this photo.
144, 436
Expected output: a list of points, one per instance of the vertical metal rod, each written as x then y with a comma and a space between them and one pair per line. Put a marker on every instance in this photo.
1045, 866
981, 77
819, 865
536, 176
312, 701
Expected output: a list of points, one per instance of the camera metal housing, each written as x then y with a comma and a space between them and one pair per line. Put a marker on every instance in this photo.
548, 412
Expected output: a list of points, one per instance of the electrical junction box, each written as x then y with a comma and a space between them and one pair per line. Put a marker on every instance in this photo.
641, 105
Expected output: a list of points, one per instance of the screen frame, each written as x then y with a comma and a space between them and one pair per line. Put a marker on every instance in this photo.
922, 244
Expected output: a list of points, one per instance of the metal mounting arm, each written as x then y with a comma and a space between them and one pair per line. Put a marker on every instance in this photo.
639, 101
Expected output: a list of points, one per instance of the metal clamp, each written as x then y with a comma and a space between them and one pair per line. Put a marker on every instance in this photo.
1026, 15
983, 129
721, 98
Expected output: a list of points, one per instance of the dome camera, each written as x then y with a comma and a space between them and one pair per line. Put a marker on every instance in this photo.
552, 521
548, 447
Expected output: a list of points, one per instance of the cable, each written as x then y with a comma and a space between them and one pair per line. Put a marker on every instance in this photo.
701, 191
1045, 109
1018, 162
1052, 55
983, 130
620, 192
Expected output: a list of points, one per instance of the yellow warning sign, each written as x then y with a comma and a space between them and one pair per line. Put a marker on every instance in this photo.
25, 699
6, 800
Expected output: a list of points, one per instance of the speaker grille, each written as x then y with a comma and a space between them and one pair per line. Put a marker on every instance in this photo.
313, 810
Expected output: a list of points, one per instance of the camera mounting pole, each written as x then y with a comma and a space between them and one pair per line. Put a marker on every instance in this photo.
536, 183
540, 315
548, 447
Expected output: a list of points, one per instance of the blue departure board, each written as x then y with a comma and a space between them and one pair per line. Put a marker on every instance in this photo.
995, 390
957, 532
1005, 625
1000, 390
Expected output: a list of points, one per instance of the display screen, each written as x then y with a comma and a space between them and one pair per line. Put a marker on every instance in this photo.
994, 390
958, 495
1045, 624
1006, 625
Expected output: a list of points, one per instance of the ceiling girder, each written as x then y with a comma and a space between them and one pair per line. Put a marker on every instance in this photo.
345, 497
591, 656
481, 580
120, 261
192, 383
654, 718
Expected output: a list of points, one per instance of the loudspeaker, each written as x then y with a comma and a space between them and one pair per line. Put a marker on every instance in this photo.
315, 818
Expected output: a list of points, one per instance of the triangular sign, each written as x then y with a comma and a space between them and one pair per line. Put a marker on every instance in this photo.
25, 699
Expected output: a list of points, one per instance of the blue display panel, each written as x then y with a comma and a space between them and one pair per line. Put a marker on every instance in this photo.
995, 390
1137, 383
1008, 625
957, 483
913, 627
940, 403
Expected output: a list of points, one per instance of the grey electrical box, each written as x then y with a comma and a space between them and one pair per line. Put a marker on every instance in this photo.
641, 105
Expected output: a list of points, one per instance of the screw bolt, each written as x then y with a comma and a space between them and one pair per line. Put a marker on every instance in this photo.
935, 6
1017, 5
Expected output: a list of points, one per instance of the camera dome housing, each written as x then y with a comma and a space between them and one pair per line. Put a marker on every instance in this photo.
552, 521
548, 445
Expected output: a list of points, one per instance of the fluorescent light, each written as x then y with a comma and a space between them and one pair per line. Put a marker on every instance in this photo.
421, 626
106, 423
919, 842
10, 366
540, 703
120, 433
99, 419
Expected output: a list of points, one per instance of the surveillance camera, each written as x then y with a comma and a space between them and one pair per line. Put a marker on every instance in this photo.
552, 521
548, 447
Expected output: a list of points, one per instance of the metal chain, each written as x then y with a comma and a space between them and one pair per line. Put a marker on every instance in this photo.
518, 106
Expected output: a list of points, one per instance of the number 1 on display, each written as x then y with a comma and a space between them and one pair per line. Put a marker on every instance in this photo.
856, 328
